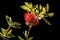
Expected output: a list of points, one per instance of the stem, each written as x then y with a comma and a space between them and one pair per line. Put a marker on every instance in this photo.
3, 38
28, 33
8, 28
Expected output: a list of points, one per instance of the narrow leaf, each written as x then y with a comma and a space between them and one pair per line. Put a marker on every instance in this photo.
16, 25
37, 11
1, 34
35, 7
9, 32
20, 38
10, 36
13, 26
40, 7
25, 8
47, 7
28, 4
50, 14
41, 15
24, 33
43, 11
3, 31
47, 21
7, 39
9, 20
30, 38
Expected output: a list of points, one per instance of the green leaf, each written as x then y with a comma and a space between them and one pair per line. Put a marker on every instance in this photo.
1, 34
3, 31
20, 38
35, 7
16, 25
37, 11
50, 14
41, 15
10, 36
40, 7
30, 38
9, 32
25, 8
28, 4
13, 26
43, 11
7, 39
47, 7
47, 21
45, 15
9, 20
24, 33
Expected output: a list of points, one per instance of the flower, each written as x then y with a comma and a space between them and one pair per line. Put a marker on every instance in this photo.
30, 19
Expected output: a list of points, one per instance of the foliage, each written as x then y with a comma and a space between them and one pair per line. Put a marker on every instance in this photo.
39, 12
7, 33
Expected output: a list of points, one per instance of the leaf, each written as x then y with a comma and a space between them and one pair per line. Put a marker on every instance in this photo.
43, 11
37, 11
47, 21
1, 34
35, 7
47, 7
50, 14
7, 39
41, 15
9, 20
20, 38
40, 7
25, 8
45, 15
16, 25
28, 4
24, 33
30, 38
9, 32
13, 26
3, 31
10, 36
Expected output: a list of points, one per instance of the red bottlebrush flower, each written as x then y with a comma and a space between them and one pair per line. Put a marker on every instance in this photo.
30, 19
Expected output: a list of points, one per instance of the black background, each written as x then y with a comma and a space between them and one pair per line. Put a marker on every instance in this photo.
42, 31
